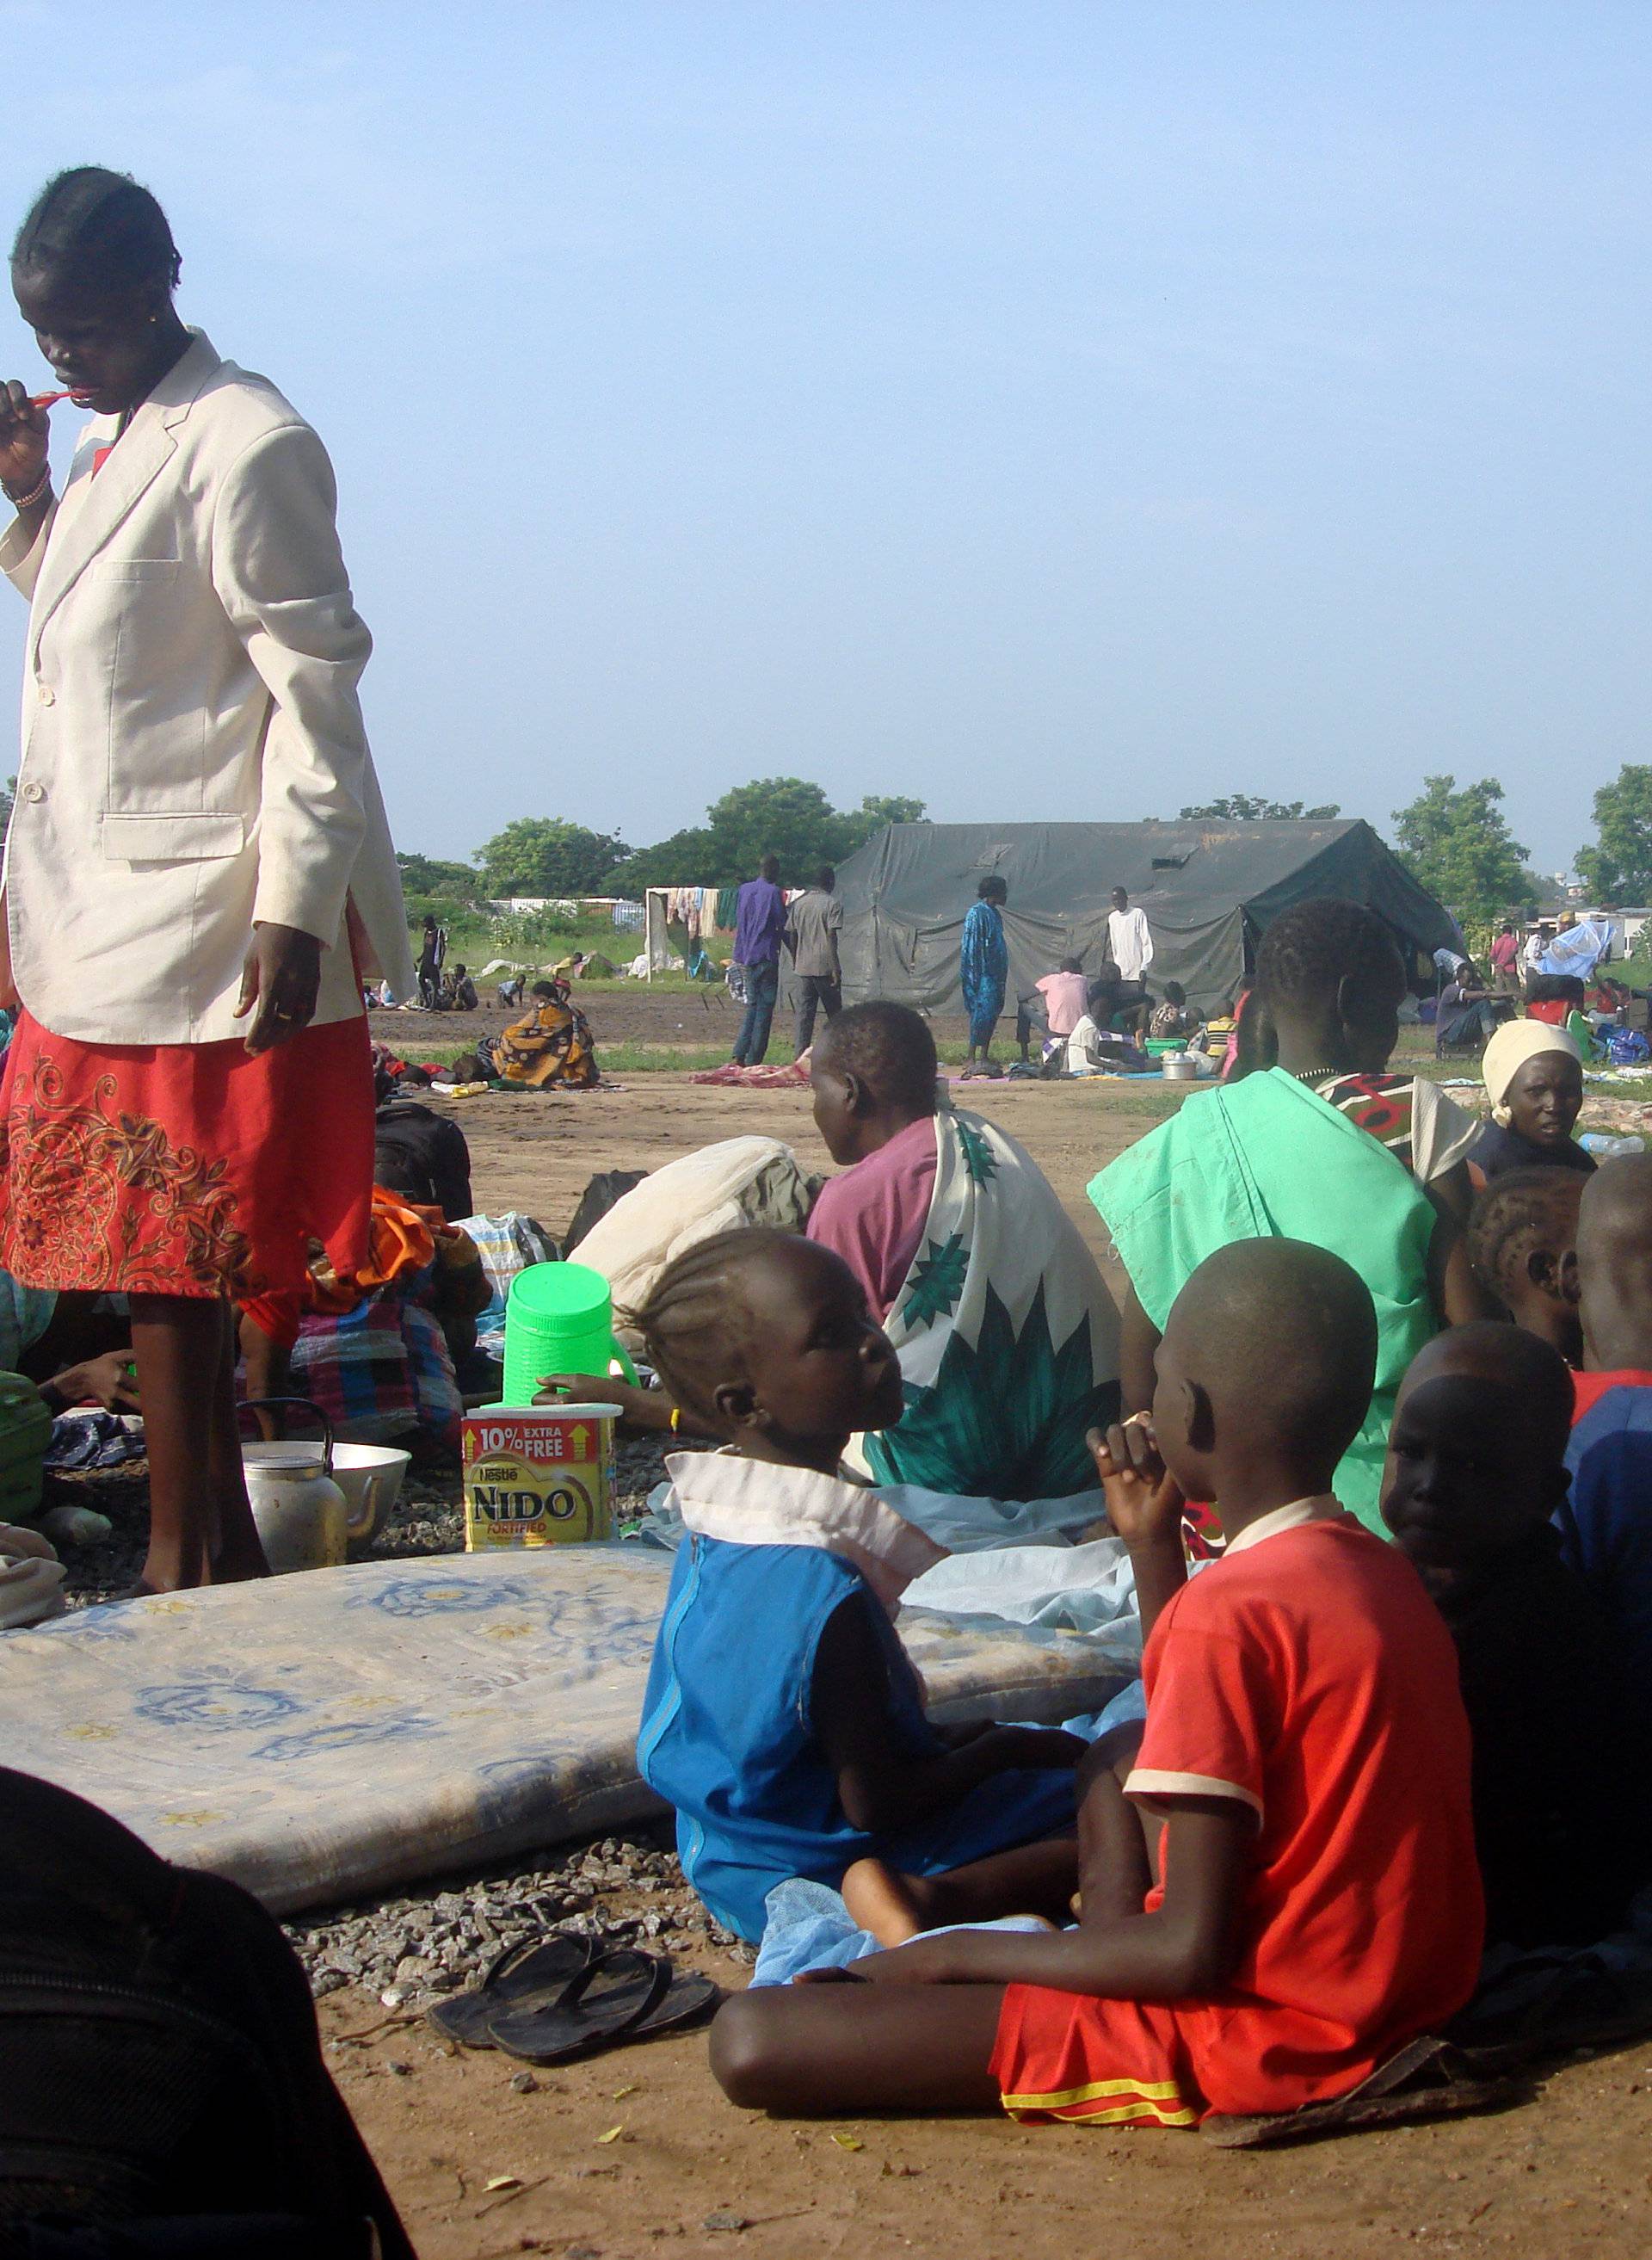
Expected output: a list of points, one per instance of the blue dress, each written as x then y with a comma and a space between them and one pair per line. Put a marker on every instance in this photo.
727, 1737
984, 968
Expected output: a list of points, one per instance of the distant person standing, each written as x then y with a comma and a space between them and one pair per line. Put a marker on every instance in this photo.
1505, 959
433, 955
984, 968
759, 922
1129, 939
813, 923
1130, 947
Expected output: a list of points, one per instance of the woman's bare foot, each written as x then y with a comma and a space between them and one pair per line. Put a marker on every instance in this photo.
892, 1906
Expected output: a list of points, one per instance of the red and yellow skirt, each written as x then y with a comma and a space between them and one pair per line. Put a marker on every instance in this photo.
184, 1169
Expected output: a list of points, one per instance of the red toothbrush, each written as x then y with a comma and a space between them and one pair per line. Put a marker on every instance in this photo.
48, 399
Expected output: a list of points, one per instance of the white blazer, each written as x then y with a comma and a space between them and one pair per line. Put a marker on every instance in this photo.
194, 756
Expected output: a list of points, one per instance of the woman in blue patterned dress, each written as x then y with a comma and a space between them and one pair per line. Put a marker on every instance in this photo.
983, 967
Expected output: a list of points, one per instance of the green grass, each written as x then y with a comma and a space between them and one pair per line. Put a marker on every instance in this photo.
473, 940
621, 1060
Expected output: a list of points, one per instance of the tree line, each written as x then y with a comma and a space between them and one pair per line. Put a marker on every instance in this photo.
1456, 842
1454, 839
540, 855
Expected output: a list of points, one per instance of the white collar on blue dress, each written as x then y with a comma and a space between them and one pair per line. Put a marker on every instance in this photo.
753, 1503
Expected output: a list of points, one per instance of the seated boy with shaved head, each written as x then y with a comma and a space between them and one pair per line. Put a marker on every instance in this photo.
1284, 1891
1606, 1523
1475, 1471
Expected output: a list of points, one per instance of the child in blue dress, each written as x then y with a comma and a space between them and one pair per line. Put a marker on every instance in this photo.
783, 1718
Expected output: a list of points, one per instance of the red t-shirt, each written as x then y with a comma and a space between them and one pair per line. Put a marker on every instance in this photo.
1588, 1389
1308, 1676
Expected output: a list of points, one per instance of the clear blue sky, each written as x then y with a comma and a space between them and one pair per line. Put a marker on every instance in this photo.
1051, 411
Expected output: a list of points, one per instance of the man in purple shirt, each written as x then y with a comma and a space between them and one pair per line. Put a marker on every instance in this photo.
759, 923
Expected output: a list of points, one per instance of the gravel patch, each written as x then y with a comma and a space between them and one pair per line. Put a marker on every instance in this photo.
408, 1951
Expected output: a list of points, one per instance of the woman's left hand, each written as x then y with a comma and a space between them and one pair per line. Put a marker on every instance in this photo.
281, 978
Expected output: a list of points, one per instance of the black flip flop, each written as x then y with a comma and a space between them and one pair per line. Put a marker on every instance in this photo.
687, 2000
532, 1970
614, 1992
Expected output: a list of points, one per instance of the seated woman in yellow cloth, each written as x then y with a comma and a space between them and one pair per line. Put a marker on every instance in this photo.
552, 1049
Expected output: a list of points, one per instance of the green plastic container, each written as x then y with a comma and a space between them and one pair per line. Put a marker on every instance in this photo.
1158, 1046
558, 1318
25, 1430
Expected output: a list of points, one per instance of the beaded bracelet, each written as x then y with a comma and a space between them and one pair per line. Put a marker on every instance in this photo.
20, 503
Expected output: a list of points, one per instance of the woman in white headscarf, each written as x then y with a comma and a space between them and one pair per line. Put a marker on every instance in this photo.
1535, 1080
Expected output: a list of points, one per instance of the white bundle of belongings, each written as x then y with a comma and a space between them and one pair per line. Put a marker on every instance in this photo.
739, 1181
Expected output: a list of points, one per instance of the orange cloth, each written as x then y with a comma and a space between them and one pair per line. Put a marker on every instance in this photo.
402, 1237
1309, 1677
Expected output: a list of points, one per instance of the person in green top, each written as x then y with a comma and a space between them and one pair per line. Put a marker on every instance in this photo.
1322, 1146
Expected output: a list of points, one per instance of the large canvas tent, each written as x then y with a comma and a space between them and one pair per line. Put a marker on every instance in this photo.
1210, 890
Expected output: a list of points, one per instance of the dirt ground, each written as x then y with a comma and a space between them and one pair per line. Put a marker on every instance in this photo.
619, 1012
637, 2152
537, 1152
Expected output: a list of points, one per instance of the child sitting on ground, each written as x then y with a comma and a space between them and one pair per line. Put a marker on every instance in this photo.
783, 1718
1522, 1235
1176, 1017
1605, 1524
1298, 1897
1476, 1470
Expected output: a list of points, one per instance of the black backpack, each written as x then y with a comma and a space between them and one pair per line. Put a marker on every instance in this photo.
162, 2088
604, 1192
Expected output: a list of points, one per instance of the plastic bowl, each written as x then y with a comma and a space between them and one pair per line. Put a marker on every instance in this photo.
360, 1470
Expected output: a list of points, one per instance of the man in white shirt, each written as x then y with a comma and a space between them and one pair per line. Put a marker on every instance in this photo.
1130, 950
1129, 943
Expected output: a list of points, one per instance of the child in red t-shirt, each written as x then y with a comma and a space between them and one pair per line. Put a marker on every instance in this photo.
1294, 1895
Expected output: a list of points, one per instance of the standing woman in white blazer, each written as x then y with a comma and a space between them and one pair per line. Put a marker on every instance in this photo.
199, 875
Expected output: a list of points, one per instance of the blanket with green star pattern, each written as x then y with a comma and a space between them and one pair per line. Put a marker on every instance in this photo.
1008, 1338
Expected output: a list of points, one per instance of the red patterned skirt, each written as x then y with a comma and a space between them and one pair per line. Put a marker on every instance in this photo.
183, 1169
